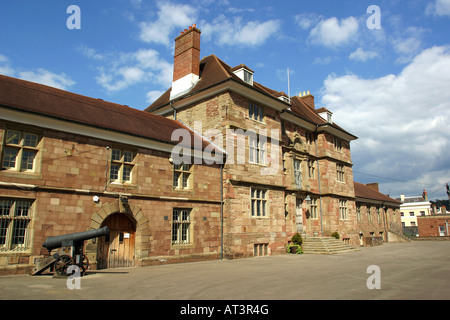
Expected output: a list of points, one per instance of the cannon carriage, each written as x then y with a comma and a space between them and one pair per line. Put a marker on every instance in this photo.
70, 252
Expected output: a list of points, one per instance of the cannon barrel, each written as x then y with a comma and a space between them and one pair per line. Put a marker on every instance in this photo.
72, 238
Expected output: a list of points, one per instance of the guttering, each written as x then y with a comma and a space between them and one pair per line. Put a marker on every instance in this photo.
174, 111
222, 165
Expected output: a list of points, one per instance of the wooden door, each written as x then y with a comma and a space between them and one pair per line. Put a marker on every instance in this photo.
118, 250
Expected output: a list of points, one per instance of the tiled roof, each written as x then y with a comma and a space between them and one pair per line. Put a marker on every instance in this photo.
363, 191
48, 101
214, 71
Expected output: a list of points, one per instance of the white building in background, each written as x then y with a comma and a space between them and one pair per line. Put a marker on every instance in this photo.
413, 207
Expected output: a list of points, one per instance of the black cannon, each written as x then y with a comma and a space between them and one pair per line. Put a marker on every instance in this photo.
71, 251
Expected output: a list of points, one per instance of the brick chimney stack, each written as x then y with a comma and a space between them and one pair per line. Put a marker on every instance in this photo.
373, 186
308, 99
186, 69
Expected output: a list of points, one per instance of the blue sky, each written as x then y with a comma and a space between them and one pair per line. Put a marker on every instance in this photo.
388, 86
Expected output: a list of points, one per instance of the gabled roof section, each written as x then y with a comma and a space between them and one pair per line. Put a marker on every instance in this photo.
39, 99
213, 71
364, 192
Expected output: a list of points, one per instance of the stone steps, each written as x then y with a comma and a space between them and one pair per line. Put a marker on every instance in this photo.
325, 245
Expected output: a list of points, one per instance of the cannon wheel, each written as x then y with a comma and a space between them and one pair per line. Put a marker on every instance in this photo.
84, 265
62, 264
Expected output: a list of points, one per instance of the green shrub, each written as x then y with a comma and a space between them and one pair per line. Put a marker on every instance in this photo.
297, 251
335, 235
297, 239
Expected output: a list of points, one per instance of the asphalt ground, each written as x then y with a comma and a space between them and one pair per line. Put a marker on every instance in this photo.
393, 271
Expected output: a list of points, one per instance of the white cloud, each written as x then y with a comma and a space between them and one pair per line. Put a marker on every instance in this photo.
61, 81
235, 32
335, 33
122, 70
153, 95
439, 8
170, 17
90, 53
307, 20
362, 55
407, 42
41, 75
5, 67
401, 120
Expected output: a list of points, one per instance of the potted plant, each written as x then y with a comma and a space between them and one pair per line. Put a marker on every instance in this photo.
295, 244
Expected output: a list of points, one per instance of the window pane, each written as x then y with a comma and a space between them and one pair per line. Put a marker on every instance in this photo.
31, 140
22, 208
176, 215
258, 208
19, 230
126, 175
115, 155
127, 156
27, 159
175, 229
185, 216
262, 155
4, 223
5, 207
12, 137
185, 233
9, 158
176, 177
114, 174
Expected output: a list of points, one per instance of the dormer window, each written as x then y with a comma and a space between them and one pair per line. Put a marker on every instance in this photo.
284, 98
326, 114
248, 76
244, 73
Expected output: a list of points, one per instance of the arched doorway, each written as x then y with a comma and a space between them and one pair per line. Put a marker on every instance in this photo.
117, 250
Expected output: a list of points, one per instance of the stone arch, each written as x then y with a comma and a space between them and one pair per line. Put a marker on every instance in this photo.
136, 215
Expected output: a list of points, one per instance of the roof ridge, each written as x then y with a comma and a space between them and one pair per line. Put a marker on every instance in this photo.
221, 63
41, 87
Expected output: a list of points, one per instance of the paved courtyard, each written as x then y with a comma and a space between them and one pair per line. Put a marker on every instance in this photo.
413, 270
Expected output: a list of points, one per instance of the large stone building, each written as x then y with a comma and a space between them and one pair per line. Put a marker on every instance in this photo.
257, 167
72, 163
295, 173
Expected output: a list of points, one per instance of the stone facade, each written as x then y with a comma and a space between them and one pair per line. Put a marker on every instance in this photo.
286, 170
70, 169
